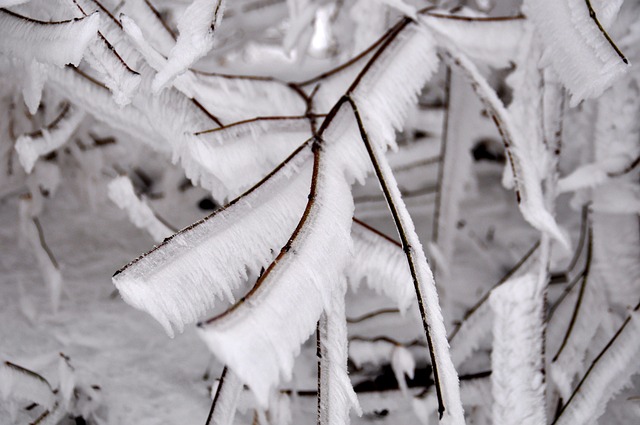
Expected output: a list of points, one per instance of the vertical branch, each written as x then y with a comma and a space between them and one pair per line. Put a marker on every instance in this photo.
445, 375
320, 377
441, 163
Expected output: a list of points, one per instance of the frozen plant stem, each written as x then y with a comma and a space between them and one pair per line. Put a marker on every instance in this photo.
420, 273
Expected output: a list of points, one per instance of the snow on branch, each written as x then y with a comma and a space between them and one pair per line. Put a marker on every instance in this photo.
179, 281
225, 402
484, 39
20, 384
610, 372
337, 394
382, 265
255, 146
197, 27
56, 43
32, 146
577, 47
516, 359
260, 336
525, 171
121, 192
391, 81
445, 375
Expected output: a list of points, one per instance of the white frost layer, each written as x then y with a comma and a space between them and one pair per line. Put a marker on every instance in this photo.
254, 146
30, 147
197, 27
584, 60
392, 84
154, 29
383, 266
17, 383
516, 360
447, 376
260, 337
179, 281
54, 43
611, 372
370, 352
226, 399
336, 391
527, 176
121, 192
493, 42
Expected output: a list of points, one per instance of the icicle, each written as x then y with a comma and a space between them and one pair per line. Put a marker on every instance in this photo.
226, 399
32, 146
584, 58
122, 194
492, 42
179, 280
197, 27
259, 337
516, 360
254, 146
403, 364
57, 43
385, 93
337, 394
382, 264
18, 383
35, 77
610, 372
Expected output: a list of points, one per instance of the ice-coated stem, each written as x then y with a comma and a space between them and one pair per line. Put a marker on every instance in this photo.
445, 376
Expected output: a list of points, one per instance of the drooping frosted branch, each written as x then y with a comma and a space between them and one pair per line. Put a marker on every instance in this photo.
179, 281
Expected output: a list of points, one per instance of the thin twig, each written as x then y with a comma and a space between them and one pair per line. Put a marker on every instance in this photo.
406, 246
215, 399
576, 310
592, 14
372, 314
595, 362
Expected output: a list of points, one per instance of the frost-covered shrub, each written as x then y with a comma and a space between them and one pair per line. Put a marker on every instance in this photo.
307, 124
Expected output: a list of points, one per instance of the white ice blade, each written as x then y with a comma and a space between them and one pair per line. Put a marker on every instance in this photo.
57, 43
180, 280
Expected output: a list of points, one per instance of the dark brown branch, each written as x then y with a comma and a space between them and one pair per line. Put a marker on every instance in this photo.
629, 168
384, 338
407, 248
595, 362
217, 396
252, 189
504, 278
592, 14
285, 249
258, 119
43, 243
372, 313
583, 285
